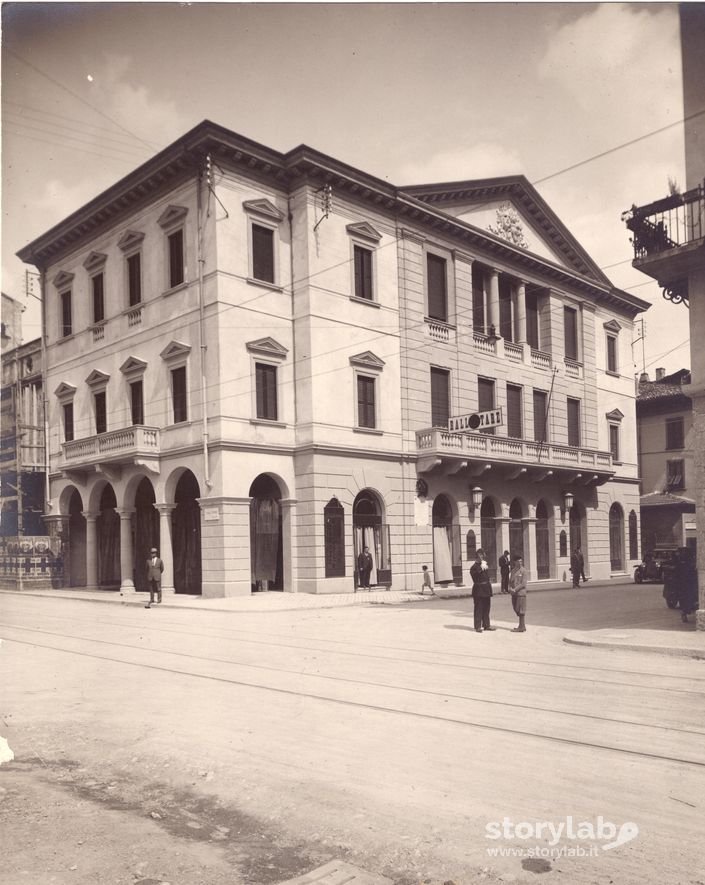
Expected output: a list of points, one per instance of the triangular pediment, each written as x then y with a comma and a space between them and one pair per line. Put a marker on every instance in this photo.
65, 391
476, 202
175, 350
265, 208
133, 366
171, 216
612, 326
131, 239
364, 229
614, 415
97, 378
367, 360
95, 261
63, 279
267, 347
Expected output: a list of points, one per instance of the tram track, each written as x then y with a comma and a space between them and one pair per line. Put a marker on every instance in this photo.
500, 718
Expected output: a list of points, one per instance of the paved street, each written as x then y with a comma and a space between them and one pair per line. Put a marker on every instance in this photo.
193, 747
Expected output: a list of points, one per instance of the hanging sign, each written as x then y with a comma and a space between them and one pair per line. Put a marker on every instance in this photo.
476, 421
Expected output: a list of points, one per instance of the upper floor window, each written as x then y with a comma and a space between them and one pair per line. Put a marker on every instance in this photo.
573, 422
614, 421
179, 395
137, 402
176, 258
505, 308
98, 289
440, 397
101, 411
675, 475
262, 253
68, 421
437, 287
478, 298
675, 435
514, 412
614, 441
532, 320
134, 279
362, 259
570, 329
263, 220
486, 399
66, 327
266, 391
612, 329
366, 402
540, 415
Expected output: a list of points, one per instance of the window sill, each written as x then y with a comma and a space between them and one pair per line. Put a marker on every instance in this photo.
268, 422
367, 301
175, 289
612, 374
372, 431
264, 284
437, 322
65, 338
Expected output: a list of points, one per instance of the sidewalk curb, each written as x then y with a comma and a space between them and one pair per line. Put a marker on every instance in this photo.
669, 650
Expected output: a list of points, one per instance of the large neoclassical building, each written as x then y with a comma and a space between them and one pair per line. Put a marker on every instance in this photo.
262, 363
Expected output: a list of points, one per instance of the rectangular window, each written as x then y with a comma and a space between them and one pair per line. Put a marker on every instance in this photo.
263, 253
137, 402
178, 394
532, 320
176, 258
363, 272
66, 318
478, 298
134, 279
675, 476
266, 387
514, 421
440, 397
98, 298
436, 268
573, 422
101, 412
540, 416
366, 402
486, 400
570, 329
675, 436
614, 441
612, 354
68, 422
505, 309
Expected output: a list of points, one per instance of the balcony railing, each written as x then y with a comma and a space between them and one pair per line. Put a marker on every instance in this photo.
438, 441
116, 446
666, 224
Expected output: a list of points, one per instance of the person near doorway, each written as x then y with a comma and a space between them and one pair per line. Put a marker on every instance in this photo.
504, 563
481, 592
426, 580
155, 567
517, 587
577, 566
364, 568
582, 565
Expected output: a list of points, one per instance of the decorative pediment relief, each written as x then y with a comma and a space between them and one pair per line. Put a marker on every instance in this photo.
65, 391
97, 378
612, 326
367, 360
175, 350
615, 415
263, 207
267, 347
95, 261
171, 216
131, 239
364, 229
63, 279
133, 366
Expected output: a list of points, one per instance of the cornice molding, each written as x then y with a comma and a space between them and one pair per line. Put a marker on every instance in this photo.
267, 347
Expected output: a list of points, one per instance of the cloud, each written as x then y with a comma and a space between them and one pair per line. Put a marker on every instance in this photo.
483, 160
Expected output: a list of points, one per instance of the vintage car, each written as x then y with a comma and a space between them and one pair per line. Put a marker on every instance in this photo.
651, 568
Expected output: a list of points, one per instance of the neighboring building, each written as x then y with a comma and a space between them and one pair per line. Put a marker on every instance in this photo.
11, 324
669, 245
253, 359
664, 415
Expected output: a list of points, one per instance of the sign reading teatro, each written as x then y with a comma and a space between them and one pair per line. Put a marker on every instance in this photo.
476, 421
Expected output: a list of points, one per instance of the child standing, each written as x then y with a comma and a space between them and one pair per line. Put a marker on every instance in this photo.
427, 582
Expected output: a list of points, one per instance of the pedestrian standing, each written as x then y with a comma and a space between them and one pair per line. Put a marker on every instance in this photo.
517, 587
481, 592
155, 567
427, 582
581, 563
576, 566
364, 568
504, 563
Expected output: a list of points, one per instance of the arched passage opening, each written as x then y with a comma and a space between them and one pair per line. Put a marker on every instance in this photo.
266, 546
186, 535
146, 525
616, 538
543, 544
108, 539
75, 562
447, 560
488, 535
371, 531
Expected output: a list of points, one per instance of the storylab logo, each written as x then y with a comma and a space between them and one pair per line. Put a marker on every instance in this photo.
567, 836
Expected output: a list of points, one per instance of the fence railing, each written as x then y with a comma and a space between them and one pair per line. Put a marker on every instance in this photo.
668, 223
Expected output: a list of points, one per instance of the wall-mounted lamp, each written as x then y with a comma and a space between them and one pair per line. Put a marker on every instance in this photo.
476, 497
568, 501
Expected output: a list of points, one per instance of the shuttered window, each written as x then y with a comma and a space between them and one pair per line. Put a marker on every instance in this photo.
440, 397
514, 422
478, 298
66, 318
68, 422
486, 400
532, 320
134, 279
675, 478
176, 258
178, 394
612, 354
573, 422
266, 384
570, 328
437, 282
614, 441
137, 402
366, 416
262, 253
363, 272
101, 412
675, 437
97, 283
505, 309
540, 429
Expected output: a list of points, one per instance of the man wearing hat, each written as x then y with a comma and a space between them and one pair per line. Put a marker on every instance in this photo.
155, 567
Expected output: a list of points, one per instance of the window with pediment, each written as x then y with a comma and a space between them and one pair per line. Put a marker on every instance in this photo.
364, 239
264, 220
266, 355
131, 245
367, 369
173, 222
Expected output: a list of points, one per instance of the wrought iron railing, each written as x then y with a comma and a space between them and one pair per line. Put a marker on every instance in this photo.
668, 223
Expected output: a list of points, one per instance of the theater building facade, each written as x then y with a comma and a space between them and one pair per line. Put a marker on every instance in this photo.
262, 363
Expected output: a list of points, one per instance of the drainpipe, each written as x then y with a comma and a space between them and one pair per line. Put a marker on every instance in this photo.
290, 218
201, 326
45, 392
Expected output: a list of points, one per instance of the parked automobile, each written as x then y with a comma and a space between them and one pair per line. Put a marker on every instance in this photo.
651, 567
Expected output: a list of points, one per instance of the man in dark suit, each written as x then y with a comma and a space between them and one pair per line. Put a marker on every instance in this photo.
481, 592
155, 567
504, 563
364, 568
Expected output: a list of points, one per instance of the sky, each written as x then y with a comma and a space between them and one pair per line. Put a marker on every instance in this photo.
408, 92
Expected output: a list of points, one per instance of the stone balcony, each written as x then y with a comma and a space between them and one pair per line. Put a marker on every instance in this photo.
449, 452
109, 452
